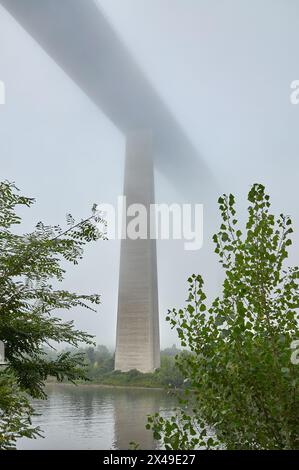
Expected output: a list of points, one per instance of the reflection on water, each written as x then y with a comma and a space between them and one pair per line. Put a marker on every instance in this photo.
91, 417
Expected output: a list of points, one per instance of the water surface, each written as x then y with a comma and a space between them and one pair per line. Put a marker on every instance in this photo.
94, 417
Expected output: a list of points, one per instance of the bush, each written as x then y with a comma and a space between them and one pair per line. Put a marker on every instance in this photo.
243, 386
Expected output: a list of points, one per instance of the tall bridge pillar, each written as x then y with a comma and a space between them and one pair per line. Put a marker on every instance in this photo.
137, 336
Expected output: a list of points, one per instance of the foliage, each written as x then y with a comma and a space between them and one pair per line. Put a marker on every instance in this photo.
243, 387
172, 351
99, 363
30, 265
15, 413
169, 374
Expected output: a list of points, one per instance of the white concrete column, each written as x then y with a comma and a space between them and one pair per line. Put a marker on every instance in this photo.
137, 341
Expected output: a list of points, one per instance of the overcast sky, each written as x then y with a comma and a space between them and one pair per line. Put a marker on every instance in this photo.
223, 67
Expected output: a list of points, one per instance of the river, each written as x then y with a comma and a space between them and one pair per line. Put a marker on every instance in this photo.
95, 417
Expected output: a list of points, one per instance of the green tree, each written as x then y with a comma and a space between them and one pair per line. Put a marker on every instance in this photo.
168, 374
243, 386
90, 352
30, 265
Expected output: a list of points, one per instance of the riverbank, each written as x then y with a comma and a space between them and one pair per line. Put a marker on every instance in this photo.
100, 385
99, 370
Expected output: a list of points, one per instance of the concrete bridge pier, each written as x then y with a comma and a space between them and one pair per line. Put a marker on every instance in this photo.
137, 336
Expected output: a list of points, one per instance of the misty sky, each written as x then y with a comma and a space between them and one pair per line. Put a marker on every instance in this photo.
224, 68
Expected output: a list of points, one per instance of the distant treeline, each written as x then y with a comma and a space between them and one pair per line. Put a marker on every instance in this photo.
99, 364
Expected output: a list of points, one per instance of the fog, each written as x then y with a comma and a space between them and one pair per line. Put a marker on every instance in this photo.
217, 75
